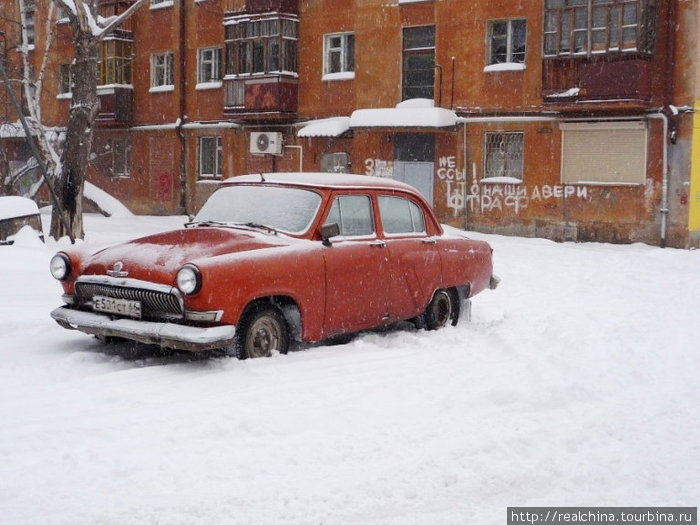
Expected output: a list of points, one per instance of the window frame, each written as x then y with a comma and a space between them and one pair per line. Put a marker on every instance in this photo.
121, 158
209, 68
216, 157
505, 145
165, 69
261, 46
28, 23
345, 52
115, 62
418, 90
65, 80
509, 42
595, 27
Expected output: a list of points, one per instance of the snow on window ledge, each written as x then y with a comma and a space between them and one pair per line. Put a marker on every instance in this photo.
209, 85
345, 75
161, 89
64, 96
505, 66
161, 5
501, 180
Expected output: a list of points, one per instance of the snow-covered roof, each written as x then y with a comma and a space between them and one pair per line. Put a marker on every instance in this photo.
419, 113
11, 207
326, 127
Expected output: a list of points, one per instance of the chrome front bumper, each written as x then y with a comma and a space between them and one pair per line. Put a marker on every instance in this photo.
170, 335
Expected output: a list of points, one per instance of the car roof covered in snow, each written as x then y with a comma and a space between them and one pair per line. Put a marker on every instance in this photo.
323, 180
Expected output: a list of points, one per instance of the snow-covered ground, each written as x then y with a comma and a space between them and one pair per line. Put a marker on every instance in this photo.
576, 383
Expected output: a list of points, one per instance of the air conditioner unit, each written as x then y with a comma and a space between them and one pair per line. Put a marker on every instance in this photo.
266, 142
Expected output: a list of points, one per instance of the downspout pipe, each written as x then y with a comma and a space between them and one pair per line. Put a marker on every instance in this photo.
183, 105
664, 179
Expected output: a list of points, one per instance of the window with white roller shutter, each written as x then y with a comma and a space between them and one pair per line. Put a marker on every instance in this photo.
604, 152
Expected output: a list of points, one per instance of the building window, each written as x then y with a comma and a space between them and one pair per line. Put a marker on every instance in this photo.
211, 153
584, 27
121, 157
209, 65
506, 41
65, 79
161, 70
339, 54
620, 152
418, 62
28, 22
261, 46
115, 62
503, 155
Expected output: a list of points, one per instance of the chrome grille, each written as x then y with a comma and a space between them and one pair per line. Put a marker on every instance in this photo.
154, 304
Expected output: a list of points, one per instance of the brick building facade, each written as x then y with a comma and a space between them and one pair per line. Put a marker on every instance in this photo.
566, 119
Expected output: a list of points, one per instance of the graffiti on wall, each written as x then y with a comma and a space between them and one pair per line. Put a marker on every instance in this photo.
379, 168
463, 194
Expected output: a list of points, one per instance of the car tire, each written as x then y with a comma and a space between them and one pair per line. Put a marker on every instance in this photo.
441, 309
262, 331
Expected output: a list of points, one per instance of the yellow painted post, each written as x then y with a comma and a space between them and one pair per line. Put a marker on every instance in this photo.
694, 197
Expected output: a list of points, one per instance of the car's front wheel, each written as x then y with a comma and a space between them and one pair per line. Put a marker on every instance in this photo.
441, 310
261, 332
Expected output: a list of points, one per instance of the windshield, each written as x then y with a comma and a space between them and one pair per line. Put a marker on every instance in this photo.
290, 210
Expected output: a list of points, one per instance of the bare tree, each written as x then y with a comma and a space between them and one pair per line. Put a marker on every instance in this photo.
89, 29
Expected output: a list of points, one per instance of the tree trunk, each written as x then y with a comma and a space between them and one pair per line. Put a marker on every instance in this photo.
78, 145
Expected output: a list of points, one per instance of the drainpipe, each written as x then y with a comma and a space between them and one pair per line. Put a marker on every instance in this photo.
466, 178
664, 179
666, 111
183, 106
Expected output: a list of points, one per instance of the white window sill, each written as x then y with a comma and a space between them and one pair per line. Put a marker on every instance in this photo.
209, 85
161, 5
161, 89
504, 66
64, 96
501, 180
345, 75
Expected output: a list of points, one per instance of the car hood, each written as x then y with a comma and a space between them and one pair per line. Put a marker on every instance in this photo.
158, 257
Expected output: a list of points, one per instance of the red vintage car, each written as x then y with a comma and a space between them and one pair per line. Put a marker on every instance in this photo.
276, 258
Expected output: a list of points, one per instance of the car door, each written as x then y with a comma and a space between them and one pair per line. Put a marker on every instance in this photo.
414, 261
356, 294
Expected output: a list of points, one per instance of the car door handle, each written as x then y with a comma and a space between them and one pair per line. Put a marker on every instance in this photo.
429, 241
377, 244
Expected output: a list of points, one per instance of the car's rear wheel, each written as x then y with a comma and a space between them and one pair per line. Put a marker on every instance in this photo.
261, 332
441, 310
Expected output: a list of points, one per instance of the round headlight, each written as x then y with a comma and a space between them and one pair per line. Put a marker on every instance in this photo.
189, 280
60, 266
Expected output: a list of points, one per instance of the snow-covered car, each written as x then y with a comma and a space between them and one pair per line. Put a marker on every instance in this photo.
276, 258
15, 214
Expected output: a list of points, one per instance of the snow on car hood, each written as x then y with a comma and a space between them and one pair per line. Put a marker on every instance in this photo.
165, 253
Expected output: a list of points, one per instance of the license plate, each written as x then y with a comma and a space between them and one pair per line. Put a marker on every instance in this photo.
100, 303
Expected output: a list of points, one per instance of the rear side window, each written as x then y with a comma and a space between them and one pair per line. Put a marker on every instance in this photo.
401, 215
353, 213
